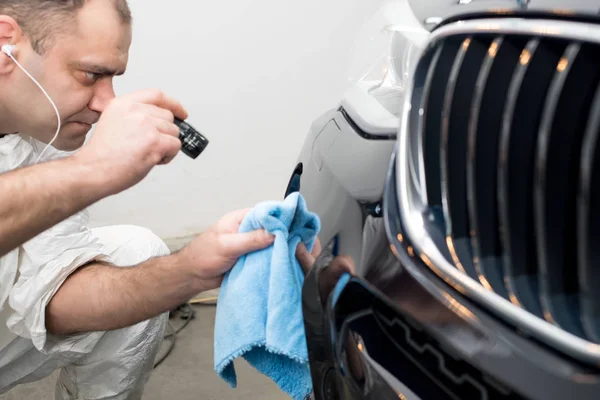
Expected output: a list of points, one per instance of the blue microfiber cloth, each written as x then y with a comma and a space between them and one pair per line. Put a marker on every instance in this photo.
259, 310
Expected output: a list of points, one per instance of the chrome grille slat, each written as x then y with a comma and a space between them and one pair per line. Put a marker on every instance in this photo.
433, 98
453, 161
432, 193
515, 179
589, 223
507, 105
484, 130
556, 183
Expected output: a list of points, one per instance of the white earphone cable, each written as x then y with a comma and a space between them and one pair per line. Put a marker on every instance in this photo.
49, 99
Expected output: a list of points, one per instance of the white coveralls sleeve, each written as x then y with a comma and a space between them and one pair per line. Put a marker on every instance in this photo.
111, 365
45, 263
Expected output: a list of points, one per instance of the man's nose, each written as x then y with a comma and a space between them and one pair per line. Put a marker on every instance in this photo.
103, 94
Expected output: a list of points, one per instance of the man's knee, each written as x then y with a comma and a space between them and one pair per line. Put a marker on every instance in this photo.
130, 245
129, 352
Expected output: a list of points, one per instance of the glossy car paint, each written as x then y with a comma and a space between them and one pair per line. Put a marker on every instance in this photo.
395, 327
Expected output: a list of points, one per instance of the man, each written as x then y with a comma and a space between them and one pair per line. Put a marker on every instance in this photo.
35, 198
91, 302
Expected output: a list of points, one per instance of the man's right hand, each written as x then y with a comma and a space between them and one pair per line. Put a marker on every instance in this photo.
209, 256
135, 133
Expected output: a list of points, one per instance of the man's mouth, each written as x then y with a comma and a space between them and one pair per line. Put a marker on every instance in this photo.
91, 121
88, 124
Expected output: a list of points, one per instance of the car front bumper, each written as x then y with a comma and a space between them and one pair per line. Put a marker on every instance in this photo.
393, 329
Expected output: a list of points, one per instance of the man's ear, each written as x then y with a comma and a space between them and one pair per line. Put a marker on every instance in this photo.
10, 33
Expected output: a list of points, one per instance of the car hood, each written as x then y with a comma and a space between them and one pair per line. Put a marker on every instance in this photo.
430, 12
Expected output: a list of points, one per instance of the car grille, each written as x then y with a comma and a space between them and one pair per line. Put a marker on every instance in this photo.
499, 168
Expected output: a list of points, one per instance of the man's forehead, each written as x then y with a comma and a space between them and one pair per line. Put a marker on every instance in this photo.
105, 32
100, 43
100, 26
100, 55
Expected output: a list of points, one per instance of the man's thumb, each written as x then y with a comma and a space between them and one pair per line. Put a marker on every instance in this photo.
239, 244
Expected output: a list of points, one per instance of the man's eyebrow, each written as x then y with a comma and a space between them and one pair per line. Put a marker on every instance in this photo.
100, 69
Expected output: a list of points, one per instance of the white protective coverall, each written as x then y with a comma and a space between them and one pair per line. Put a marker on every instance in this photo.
97, 365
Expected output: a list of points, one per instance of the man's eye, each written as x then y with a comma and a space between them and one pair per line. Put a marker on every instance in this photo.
92, 76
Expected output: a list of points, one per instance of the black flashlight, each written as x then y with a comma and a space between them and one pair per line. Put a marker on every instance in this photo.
193, 142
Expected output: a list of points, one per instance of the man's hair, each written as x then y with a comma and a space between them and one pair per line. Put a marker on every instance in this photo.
43, 20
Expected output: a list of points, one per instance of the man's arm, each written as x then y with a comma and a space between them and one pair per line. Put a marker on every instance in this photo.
135, 133
102, 297
36, 198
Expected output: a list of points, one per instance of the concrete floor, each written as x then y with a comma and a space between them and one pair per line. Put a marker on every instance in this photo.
187, 374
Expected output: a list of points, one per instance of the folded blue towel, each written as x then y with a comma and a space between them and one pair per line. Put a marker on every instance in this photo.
259, 310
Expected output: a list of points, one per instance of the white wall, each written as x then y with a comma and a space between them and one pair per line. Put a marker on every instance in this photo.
253, 75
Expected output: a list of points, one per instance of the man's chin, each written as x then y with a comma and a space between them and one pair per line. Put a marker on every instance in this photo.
72, 137
69, 147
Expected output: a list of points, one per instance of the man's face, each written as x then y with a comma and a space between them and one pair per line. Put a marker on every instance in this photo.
77, 72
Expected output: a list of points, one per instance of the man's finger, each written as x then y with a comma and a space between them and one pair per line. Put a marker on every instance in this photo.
339, 266
343, 264
305, 259
157, 112
237, 216
316, 251
169, 148
166, 127
166, 160
160, 99
239, 244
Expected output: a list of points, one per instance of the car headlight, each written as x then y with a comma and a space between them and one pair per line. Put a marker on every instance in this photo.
384, 57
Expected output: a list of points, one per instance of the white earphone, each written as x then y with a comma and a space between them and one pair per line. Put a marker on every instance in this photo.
8, 50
